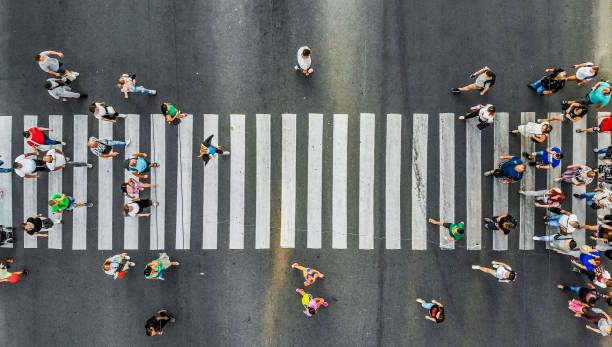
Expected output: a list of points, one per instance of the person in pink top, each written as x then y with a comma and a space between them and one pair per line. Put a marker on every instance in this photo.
310, 303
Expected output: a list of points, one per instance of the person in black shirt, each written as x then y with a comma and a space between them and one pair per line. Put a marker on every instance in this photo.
156, 324
436, 310
504, 224
38, 226
551, 83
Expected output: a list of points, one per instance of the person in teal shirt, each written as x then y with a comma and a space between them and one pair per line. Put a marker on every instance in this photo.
600, 94
455, 230
138, 165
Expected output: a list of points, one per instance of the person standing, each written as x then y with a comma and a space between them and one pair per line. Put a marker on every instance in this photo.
548, 159
28, 167
534, 131
36, 137
172, 114
105, 113
485, 113
558, 242
62, 202
127, 84
485, 79
599, 198
59, 89
117, 265
578, 175
208, 150
566, 221
304, 60
138, 165
600, 94
510, 169
3, 169
136, 208
57, 160
310, 275
38, 226
455, 230
553, 197
551, 83
155, 325
501, 271
605, 126
103, 148
505, 224
49, 64
436, 310
153, 270
310, 303
584, 73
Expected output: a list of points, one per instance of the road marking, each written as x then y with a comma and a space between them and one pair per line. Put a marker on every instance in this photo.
105, 192
339, 181
419, 181
30, 191
315, 179
527, 213
603, 141
473, 188
554, 139
393, 173
6, 178
579, 157
157, 176
287, 236
79, 188
130, 224
500, 190
236, 226
262, 183
447, 176
54, 240
211, 186
366, 180
183, 187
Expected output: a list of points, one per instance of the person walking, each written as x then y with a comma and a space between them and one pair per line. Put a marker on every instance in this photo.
436, 310
103, 148
28, 167
578, 175
548, 159
455, 230
62, 202
59, 89
505, 224
550, 198
172, 114
599, 94
310, 303
587, 295
551, 83
105, 113
590, 258
599, 276
604, 153
132, 188
573, 111
566, 221
38, 225
485, 79
534, 131
310, 275
501, 271
57, 160
153, 270
51, 65
605, 126
136, 207
601, 319
510, 169
11, 277
117, 265
138, 165
208, 150
3, 169
599, 198
127, 84
35, 137
584, 73
155, 325
558, 242
304, 61
485, 113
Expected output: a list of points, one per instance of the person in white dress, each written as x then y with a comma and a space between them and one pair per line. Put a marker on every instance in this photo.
535, 131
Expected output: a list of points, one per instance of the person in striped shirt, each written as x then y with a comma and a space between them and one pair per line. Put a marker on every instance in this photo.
103, 148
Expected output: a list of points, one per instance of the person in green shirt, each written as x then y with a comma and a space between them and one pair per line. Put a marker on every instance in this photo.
173, 115
62, 202
455, 231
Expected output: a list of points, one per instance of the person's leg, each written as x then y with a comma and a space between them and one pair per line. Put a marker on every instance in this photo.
553, 221
141, 89
537, 84
76, 164
535, 192
546, 238
471, 114
541, 90
491, 226
48, 141
586, 195
115, 143
608, 254
487, 270
320, 301
469, 87
144, 203
427, 305
602, 151
71, 95
572, 289
588, 273
593, 318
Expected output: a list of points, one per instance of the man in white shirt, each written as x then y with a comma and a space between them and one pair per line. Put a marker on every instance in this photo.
57, 160
26, 167
584, 72
304, 60
567, 222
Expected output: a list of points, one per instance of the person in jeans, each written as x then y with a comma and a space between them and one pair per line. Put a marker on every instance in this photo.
117, 265
605, 126
534, 131
310, 303
208, 150
572, 111
599, 94
485, 113
566, 221
558, 242
49, 64
35, 137
599, 276
599, 198
138, 165
304, 61
59, 89
28, 167
155, 325
584, 73
551, 83
127, 83
485, 78
38, 225
62, 202
587, 295
3, 169
550, 198
511, 169
57, 160
505, 224
501, 271
578, 175
455, 230
103, 148
136, 207
173, 115
436, 310
548, 159
105, 113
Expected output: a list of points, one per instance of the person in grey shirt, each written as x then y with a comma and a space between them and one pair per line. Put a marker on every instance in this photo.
559, 243
59, 89
50, 64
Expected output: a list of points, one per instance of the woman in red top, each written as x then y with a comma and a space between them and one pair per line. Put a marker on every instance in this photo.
604, 127
546, 198
35, 137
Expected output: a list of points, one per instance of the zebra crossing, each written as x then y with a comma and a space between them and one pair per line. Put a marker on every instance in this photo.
394, 213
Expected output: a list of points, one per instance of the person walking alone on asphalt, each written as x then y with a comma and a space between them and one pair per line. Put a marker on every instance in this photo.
550, 84
455, 231
510, 169
485, 113
50, 64
604, 127
103, 148
485, 79
137, 207
36, 137
566, 221
310, 303
127, 83
436, 310
304, 60
62, 202
27, 167
117, 265
578, 175
57, 160
138, 165
38, 225
173, 115
572, 112
153, 270
132, 188
548, 159
208, 150
599, 94
310, 275
501, 271
584, 73
505, 224
553, 197
535, 131
155, 325
59, 89
105, 113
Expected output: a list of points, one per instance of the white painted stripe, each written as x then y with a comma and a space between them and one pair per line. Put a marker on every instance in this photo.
554, 139
579, 157
527, 212
29, 188
339, 181
473, 189
6, 179
315, 180
419, 181
262, 181
79, 188
603, 141
55, 182
183, 184
366, 180
105, 193
130, 224
157, 235
447, 176
287, 236
211, 182
393, 172
500, 190
236, 227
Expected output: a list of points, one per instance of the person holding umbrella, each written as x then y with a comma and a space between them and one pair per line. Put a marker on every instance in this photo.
208, 150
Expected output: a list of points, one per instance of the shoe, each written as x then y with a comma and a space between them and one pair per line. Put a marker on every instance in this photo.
155, 203
455, 90
161, 278
575, 269
462, 117
172, 319
24, 272
526, 155
521, 192
475, 267
473, 76
596, 150
487, 173
56, 221
89, 204
311, 70
296, 67
579, 131
67, 159
132, 264
63, 143
293, 265
576, 195
153, 91
226, 153
177, 263
487, 220
121, 115
325, 304
536, 238
83, 96
127, 143
89, 166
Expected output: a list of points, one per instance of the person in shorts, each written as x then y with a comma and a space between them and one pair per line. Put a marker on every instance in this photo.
208, 150
485, 79
310, 275
584, 73
62, 202
605, 126
310, 303
436, 310
501, 271
11, 277
117, 265
455, 230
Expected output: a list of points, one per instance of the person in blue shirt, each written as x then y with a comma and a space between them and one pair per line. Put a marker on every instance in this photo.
548, 159
510, 170
138, 165
208, 150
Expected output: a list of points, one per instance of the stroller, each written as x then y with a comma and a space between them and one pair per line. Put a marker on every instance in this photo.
7, 236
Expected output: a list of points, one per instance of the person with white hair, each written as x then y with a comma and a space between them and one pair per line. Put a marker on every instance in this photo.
551, 83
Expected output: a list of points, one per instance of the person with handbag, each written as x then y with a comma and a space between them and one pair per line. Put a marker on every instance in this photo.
59, 89
485, 113
117, 265
172, 114
545, 198
38, 225
155, 325
550, 84
505, 224
105, 113
510, 169
558, 242
127, 83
